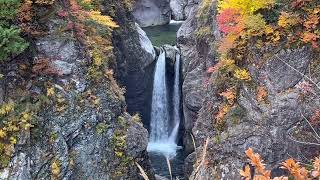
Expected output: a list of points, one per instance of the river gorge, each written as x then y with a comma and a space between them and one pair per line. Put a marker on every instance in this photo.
159, 89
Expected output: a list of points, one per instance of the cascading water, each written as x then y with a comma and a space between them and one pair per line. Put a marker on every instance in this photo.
176, 100
161, 140
159, 110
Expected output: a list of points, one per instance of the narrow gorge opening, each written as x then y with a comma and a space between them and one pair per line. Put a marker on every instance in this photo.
166, 110
163, 34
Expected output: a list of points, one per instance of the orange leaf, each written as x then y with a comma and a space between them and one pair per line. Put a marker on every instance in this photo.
246, 173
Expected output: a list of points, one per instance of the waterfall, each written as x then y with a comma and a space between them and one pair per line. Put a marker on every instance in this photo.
161, 140
176, 100
159, 110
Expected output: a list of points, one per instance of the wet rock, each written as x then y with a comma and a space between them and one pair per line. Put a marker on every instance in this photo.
135, 58
158, 177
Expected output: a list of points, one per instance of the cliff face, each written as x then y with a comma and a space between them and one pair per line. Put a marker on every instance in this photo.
81, 129
271, 128
152, 12
197, 57
160, 12
134, 57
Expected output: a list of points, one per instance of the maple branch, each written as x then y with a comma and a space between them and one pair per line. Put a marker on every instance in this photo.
302, 74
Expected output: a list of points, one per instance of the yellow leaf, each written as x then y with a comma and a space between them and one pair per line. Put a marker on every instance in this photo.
242, 74
26, 116
103, 20
55, 168
13, 140
3, 134
268, 30
50, 91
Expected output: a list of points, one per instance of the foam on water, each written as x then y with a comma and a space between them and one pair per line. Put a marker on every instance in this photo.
176, 22
168, 149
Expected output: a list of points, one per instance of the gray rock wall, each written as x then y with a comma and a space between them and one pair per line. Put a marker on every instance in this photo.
197, 57
152, 12
160, 12
84, 140
267, 128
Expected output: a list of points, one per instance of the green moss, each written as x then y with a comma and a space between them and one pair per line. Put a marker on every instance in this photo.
101, 128
9, 9
217, 139
11, 42
136, 118
122, 121
54, 136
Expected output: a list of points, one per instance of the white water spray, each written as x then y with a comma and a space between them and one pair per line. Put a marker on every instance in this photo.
161, 140
159, 110
176, 100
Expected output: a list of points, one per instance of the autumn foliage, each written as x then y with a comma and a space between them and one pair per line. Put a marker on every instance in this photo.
294, 168
247, 25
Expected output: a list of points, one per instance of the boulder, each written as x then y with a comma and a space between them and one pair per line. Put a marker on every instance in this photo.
177, 7
152, 12
147, 46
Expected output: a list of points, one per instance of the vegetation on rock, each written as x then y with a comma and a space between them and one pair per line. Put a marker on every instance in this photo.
20, 22
294, 168
246, 25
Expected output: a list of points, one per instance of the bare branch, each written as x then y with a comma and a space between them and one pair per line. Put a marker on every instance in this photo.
311, 126
142, 172
204, 153
194, 145
301, 142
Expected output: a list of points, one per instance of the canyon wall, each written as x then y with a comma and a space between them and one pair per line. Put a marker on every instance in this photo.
268, 128
85, 131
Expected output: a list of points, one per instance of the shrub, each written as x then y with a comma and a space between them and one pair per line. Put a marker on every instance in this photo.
8, 9
10, 42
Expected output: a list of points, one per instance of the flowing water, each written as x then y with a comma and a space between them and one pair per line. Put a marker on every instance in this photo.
161, 139
159, 110
176, 100
164, 124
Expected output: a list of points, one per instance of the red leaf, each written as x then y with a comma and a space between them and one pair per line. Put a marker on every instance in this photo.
63, 13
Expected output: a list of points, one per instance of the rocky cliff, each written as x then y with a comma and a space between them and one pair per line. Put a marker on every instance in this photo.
160, 12
78, 127
273, 128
